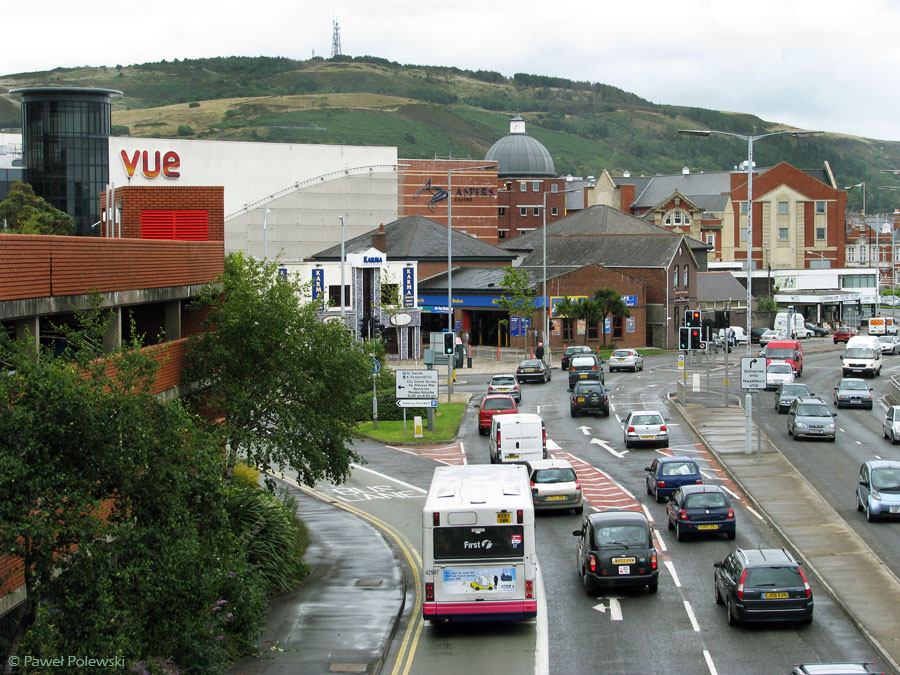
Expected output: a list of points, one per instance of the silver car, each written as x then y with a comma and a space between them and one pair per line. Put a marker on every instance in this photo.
626, 359
646, 426
506, 384
554, 485
811, 418
891, 423
853, 392
890, 344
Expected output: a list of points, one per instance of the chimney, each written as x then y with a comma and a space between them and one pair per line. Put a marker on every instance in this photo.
379, 240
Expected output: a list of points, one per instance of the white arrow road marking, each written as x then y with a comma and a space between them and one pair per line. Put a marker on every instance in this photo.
585, 430
606, 446
615, 609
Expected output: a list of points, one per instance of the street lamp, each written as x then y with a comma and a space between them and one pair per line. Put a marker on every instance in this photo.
750, 140
342, 269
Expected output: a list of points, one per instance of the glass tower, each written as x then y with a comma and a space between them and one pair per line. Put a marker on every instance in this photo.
65, 137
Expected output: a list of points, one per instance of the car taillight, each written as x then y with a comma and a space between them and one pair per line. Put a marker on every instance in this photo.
577, 486
653, 562
529, 589
534, 490
429, 592
436, 518
594, 368
630, 430
660, 483
498, 437
663, 428
544, 438
730, 515
571, 367
520, 516
682, 515
699, 481
805, 584
740, 586
592, 564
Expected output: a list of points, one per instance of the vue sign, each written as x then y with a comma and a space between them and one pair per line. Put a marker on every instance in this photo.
151, 167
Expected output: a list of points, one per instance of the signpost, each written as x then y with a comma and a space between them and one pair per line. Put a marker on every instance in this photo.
417, 389
416, 403
753, 376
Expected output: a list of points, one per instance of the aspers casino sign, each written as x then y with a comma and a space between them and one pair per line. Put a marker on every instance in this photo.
152, 164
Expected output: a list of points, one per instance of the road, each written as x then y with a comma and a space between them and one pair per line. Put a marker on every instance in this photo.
678, 630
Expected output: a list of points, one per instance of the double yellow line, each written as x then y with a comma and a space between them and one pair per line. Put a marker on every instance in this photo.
407, 650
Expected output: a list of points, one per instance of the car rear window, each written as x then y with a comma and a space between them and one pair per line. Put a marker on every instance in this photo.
705, 500
498, 404
560, 475
773, 576
679, 469
621, 352
584, 388
582, 361
647, 419
780, 368
779, 353
503, 381
795, 390
630, 535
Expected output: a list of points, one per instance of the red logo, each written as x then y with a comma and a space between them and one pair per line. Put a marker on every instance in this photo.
168, 165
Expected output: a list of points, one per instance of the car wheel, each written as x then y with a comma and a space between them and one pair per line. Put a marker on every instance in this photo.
719, 600
578, 510
669, 523
732, 620
653, 587
893, 438
642, 366
649, 491
832, 439
732, 535
549, 376
679, 534
859, 506
869, 516
659, 497
587, 583
790, 433
884, 431
572, 412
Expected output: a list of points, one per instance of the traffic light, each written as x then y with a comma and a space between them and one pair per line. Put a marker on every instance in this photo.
449, 345
684, 338
695, 337
692, 318
723, 318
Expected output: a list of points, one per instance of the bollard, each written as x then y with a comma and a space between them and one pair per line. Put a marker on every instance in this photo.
468, 362
417, 427
498, 353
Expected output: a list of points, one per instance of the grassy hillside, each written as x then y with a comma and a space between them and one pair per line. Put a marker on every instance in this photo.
434, 111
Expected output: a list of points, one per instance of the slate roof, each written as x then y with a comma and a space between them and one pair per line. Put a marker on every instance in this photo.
719, 286
421, 239
707, 190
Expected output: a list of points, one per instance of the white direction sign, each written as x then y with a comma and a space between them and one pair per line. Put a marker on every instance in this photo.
753, 372
417, 384
416, 403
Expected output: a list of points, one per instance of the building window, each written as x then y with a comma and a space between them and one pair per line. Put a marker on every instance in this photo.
783, 208
686, 279
857, 281
677, 218
523, 211
334, 296
536, 211
863, 253
820, 233
675, 276
501, 234
554, 188
390, 294
502, 211
851, 254
711, 240
523, 187
820, 207
567, 330
554, 210
743, 208
535, 186
782, 234
593, 331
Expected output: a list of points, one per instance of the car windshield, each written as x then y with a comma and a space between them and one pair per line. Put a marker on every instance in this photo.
773, 576
780, 368
561, 475
679, 469
795, 390
621, 352
813, 410
499, 404
886, 338
705, 500
647, 419
582, 362
625, 535
853, 384
779, 353
860, 353
887, 480
503, 381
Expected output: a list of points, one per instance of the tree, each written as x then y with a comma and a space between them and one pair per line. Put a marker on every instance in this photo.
610, 302
518, 295
26, 213
583, 309
283, 381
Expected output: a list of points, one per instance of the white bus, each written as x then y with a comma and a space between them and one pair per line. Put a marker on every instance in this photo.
478, 554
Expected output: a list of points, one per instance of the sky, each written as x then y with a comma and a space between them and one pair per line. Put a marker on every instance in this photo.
811, 64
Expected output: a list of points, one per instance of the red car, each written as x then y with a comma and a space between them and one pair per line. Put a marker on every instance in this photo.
494, 404
844, 333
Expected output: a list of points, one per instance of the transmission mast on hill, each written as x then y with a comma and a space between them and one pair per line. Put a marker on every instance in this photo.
335, 39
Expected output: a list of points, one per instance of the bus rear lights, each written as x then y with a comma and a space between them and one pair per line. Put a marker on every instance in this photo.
429, 592
436, 518
520, 516
529, 589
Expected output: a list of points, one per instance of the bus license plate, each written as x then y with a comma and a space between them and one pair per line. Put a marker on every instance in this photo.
775, 596
623, 561
504, 518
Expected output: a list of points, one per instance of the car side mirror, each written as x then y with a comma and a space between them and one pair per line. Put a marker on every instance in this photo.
834, 414
717, 564
647, 468
577, 533
835, 388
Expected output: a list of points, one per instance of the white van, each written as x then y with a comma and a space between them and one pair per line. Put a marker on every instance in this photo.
520, 437
862, 356
882, 325
798, 331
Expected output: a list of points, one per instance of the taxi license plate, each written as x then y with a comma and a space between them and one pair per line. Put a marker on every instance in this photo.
504, 518
775, 596
707, 527
647, 437
623, 561
513, 455
555, 498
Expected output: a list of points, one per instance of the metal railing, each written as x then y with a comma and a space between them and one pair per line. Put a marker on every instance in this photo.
710, 396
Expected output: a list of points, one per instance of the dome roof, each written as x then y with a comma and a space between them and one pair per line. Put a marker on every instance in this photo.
518, 155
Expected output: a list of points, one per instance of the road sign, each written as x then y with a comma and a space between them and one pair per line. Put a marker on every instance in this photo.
753, 372
376, 366
416, 384
416, 403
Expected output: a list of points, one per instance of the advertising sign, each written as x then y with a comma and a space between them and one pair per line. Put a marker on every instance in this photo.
466, 581
409, 287
318, 286
514, 326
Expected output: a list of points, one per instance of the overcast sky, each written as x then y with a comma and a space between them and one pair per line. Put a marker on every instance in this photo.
812, 64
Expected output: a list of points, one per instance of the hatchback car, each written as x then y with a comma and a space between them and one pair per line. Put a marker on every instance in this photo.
755, 333
585, 367
589, 396
646, 426
787, 393
506, 384
778, 373
494, 404
626, 359
700, 509
667, 474
817, 331
878, 489
615, 548
891, 423
533, 370
890, 344
844, 333
554, 485
853, 392
764, 584
570, 351
810, 418
835, 669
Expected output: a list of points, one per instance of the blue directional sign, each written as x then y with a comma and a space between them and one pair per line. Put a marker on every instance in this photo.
376, 366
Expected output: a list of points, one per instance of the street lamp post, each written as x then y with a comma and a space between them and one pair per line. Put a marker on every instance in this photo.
342, 270
750, 140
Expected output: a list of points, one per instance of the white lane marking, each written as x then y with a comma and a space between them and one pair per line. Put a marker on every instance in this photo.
542, 632
877, 456
671, 566
647, 512
709, 663
730, 492
690, 613
607, 447
552, 445
754, 512
462, 449
706, 475
390, 478
659, 540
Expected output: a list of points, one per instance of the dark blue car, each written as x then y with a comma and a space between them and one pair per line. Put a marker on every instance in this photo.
700, 509
667, 474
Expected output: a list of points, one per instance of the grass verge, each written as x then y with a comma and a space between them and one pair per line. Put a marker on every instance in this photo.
447, 417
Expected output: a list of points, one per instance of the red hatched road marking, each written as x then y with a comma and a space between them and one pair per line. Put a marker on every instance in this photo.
598, 488
445, 454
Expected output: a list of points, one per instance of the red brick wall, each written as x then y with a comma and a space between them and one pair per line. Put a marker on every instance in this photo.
134, 199
626, 198
515, 199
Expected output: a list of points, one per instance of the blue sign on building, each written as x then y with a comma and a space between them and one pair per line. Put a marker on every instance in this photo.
514, 326
409, 287
318, 285
630, 300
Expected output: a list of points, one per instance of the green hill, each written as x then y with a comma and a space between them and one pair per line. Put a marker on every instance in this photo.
429, 111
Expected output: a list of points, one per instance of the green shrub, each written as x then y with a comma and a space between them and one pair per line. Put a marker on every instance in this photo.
245, 475
185, 130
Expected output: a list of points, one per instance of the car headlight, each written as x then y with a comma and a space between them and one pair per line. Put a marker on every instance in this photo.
830, 426
801, 425
875, 495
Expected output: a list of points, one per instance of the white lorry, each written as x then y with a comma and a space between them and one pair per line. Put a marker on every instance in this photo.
882, 325
797, 330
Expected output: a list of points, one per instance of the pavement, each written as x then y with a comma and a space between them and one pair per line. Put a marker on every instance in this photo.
321, 635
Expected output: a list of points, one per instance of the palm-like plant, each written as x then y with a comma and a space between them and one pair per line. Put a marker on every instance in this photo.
611, 304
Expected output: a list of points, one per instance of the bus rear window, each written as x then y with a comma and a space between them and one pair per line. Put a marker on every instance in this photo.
505, 541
